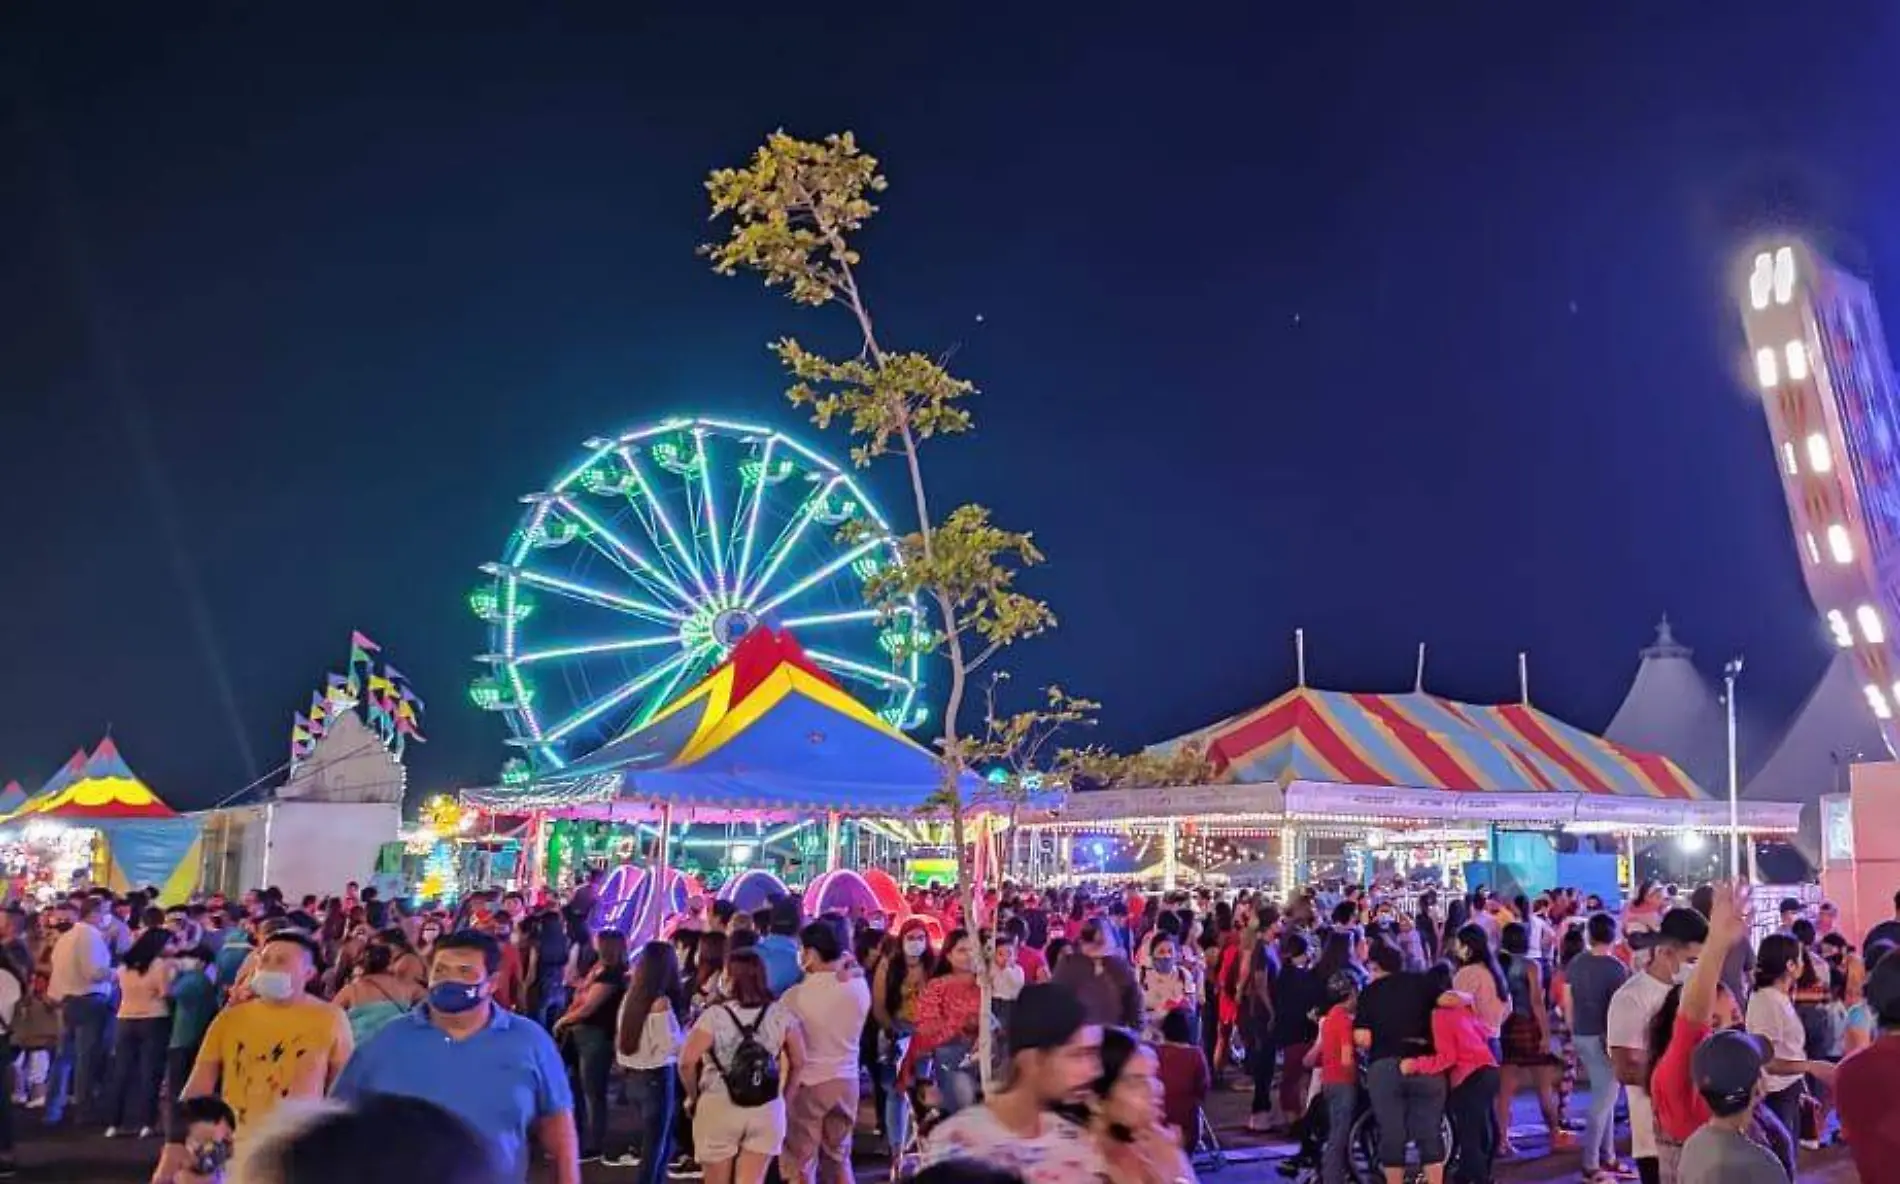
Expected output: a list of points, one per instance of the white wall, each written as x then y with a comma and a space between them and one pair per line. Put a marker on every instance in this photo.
319, 846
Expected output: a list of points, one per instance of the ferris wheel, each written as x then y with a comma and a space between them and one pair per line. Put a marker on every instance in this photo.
636, 572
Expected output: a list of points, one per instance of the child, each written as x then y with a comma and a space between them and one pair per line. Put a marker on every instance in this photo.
1184, 1076
1165, 987
209, 1127
1463, 1053
1334, 1055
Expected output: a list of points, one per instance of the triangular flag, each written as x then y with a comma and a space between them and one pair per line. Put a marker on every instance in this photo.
394, 674
380, 687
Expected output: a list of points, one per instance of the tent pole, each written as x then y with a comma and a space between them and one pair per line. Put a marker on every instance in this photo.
1169, 868
832, 831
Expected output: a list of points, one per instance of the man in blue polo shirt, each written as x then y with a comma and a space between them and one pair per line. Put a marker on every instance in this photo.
496, 1070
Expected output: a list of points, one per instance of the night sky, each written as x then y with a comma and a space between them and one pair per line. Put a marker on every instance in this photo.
1393, 322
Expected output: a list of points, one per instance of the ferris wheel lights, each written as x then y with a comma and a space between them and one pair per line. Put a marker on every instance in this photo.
755, 472
1871, 628
675, 457
559, 534
702, 527
485, 601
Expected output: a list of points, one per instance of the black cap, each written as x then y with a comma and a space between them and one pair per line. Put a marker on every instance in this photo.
1726, 1066
1046, 1015
1680, 926
1790, 905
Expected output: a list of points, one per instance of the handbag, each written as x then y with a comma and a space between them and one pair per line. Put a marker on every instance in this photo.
35, 1023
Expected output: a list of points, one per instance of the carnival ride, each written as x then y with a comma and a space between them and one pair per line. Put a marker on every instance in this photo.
1827, 385
637, 571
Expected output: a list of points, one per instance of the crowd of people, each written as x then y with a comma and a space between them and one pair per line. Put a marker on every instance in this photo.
741, 1041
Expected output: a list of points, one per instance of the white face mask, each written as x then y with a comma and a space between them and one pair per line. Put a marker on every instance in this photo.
914, 947
1684, 970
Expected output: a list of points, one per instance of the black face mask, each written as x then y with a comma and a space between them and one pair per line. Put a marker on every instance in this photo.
63, 926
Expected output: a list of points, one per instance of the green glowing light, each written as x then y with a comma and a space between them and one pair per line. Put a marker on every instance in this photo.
606, 481
867, 566
677, 456
485, 601
899, 642
490, 694
752, 471
515, 773
832, 511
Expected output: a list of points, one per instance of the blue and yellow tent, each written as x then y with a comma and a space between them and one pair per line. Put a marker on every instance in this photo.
767, 730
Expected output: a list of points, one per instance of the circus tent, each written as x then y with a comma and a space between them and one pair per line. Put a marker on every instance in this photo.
766, 732
1423, 741
139, 839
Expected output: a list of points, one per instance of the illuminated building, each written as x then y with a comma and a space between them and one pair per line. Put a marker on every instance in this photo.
1818, 360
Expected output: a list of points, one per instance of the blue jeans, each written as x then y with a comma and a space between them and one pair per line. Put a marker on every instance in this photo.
1342, 1106
593, 1059
82, 1028
956, 1083
1599, 1126
655, 1095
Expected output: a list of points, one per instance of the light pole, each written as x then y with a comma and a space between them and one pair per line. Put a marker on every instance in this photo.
1730, 673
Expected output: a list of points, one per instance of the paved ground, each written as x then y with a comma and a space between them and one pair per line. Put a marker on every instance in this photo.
82, 1157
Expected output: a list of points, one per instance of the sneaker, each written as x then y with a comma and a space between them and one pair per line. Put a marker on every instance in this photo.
145, 1132
627, 1160
112, 1132
38, 1102
690, 1170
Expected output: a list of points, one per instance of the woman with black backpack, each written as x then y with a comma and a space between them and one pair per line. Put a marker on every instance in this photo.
731, 1069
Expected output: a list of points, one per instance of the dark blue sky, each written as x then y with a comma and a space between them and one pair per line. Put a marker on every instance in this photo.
1389, 321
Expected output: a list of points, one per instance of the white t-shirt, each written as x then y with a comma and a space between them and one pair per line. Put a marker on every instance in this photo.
10, 992
719, 1022
1633, 1006
1771, 1016
831, 1010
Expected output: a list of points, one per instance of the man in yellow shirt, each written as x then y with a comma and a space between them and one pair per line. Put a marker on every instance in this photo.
281, 1044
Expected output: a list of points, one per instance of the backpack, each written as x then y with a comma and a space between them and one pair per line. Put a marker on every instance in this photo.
752, 1078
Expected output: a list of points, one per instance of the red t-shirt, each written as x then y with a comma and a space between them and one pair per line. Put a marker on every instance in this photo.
1338, 1063
1679, 1107
1865, 1087
1035, 966
1184, 1086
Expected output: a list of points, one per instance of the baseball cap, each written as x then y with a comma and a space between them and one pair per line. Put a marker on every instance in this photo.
1726, 1066
1883, 990
1681, 926
1790, 905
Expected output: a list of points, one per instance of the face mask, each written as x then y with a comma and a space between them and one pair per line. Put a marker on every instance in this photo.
1165, 965
914, 947
455, 998
274, 985
431, 934
1685, 970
